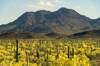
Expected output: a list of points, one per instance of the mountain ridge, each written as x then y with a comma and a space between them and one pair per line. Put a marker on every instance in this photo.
63, 21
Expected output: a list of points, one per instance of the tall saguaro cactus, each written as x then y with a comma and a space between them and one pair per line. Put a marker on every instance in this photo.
27, 58
46, 59
68, 52
16, 56
37, 53
72, 51
57, 56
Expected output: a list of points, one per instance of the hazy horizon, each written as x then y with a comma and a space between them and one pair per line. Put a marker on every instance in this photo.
12, 9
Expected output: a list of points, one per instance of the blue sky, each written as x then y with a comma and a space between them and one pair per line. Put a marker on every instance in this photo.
12, 9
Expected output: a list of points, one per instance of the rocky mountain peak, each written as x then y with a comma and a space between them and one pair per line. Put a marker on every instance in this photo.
63, 21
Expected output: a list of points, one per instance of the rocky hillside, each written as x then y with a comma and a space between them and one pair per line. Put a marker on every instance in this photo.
63, 21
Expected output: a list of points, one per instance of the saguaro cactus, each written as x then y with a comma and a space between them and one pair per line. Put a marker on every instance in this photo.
37, 53
16, 56
72, 51
57, 56
68, 52
46, 59
27, 58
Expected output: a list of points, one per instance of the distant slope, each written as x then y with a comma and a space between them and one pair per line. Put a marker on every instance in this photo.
30, 35
22, 35
87, 34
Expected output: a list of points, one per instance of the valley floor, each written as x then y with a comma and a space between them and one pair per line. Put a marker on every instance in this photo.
40, 52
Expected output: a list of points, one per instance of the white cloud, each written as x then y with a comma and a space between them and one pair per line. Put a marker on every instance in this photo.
45, 5
42, 4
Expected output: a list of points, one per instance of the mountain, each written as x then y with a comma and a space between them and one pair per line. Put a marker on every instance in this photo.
63, 21
96, 23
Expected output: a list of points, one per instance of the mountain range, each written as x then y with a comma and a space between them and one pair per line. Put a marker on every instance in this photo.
63, 22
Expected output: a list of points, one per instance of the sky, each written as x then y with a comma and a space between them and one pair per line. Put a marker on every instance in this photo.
10, 10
